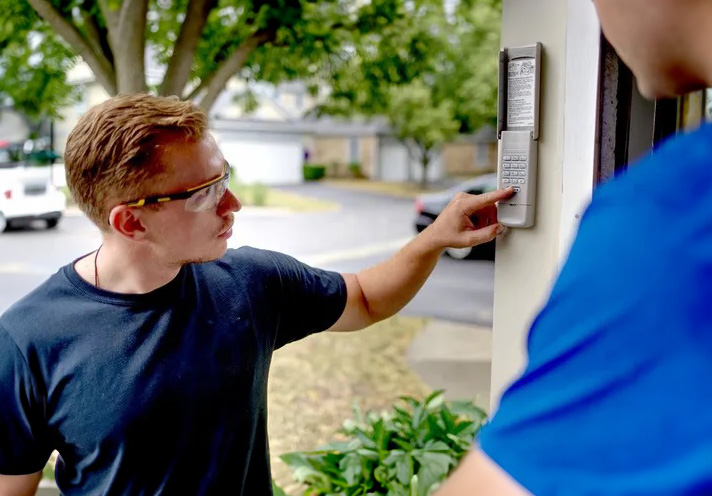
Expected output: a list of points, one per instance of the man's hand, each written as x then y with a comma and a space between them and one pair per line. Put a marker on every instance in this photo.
469, 220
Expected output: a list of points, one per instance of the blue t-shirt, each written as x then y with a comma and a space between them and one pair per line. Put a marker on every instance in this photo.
616, 398
157, 393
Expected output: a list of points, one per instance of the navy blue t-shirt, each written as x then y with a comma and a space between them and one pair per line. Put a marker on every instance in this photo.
616, 398
157, 393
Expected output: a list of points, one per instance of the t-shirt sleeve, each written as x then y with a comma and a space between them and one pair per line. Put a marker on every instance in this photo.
615, 398
311, 299
23, 446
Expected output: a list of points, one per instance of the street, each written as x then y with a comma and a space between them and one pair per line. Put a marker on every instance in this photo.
365, 230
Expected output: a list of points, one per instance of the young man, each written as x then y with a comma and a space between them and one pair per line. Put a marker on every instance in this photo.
145, 362
617, 397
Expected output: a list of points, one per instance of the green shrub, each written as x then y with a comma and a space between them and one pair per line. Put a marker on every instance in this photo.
277, 491
314, 172
259, 195
356, 171
406, 452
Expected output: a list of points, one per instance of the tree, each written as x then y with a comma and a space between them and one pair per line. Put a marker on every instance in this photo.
420, 123
432, 74
200, 43
33, 64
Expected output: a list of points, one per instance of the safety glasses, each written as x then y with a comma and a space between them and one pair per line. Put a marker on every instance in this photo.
203, 197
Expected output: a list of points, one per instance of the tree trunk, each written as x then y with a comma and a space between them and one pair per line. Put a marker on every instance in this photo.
130, 57
178, 70
100, 66
228, 67
424, 162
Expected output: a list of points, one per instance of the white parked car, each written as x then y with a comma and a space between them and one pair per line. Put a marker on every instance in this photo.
27, 194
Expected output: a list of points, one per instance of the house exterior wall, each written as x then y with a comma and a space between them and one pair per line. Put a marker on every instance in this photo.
331, 151
91, 93
13, 127
459, 158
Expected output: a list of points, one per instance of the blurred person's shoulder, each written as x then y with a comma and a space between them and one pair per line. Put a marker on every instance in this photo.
678, 173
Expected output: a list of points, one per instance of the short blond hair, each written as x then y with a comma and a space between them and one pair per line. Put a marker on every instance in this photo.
111, 152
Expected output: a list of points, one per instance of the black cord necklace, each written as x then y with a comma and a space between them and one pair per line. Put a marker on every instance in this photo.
96, 269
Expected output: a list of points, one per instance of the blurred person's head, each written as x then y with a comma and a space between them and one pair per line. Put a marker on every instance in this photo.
139, 146
664, 42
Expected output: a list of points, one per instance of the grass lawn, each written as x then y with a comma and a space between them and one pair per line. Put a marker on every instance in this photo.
403, 190
258, 195
315, 382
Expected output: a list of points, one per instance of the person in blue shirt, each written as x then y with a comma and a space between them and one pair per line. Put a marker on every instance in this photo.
616, 398
145, 362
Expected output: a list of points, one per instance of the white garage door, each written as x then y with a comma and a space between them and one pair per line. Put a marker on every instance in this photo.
394, 162
266, 161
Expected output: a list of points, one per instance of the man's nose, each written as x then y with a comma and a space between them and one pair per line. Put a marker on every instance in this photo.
229, 203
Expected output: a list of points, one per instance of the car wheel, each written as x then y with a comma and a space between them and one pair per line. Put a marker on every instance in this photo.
3, 222
52, 223
458, 253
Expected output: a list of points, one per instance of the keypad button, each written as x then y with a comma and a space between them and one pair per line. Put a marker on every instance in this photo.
507, 158
522, 158
505, 181
522, 181
507, 166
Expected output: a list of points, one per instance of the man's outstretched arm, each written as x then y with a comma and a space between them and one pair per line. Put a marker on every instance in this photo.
478, 475
381, 291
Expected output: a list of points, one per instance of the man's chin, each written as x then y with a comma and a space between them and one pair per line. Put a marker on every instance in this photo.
667, 88
211, 257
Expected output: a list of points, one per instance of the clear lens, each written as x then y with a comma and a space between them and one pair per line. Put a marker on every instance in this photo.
208, 198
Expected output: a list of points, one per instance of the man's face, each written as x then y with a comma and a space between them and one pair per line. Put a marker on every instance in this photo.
658, 40
180, 236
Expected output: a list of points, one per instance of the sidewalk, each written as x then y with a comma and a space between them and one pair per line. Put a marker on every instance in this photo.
454, 357
410, 190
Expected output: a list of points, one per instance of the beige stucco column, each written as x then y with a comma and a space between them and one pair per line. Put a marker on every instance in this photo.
528, 260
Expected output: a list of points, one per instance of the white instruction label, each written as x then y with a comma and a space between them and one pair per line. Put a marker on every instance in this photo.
521, 81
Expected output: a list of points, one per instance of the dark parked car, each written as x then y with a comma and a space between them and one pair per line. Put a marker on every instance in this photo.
429, 206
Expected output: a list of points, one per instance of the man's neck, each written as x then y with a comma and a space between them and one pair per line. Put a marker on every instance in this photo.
129, 270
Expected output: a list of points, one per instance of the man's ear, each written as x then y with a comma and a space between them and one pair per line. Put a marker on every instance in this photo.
127, 221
